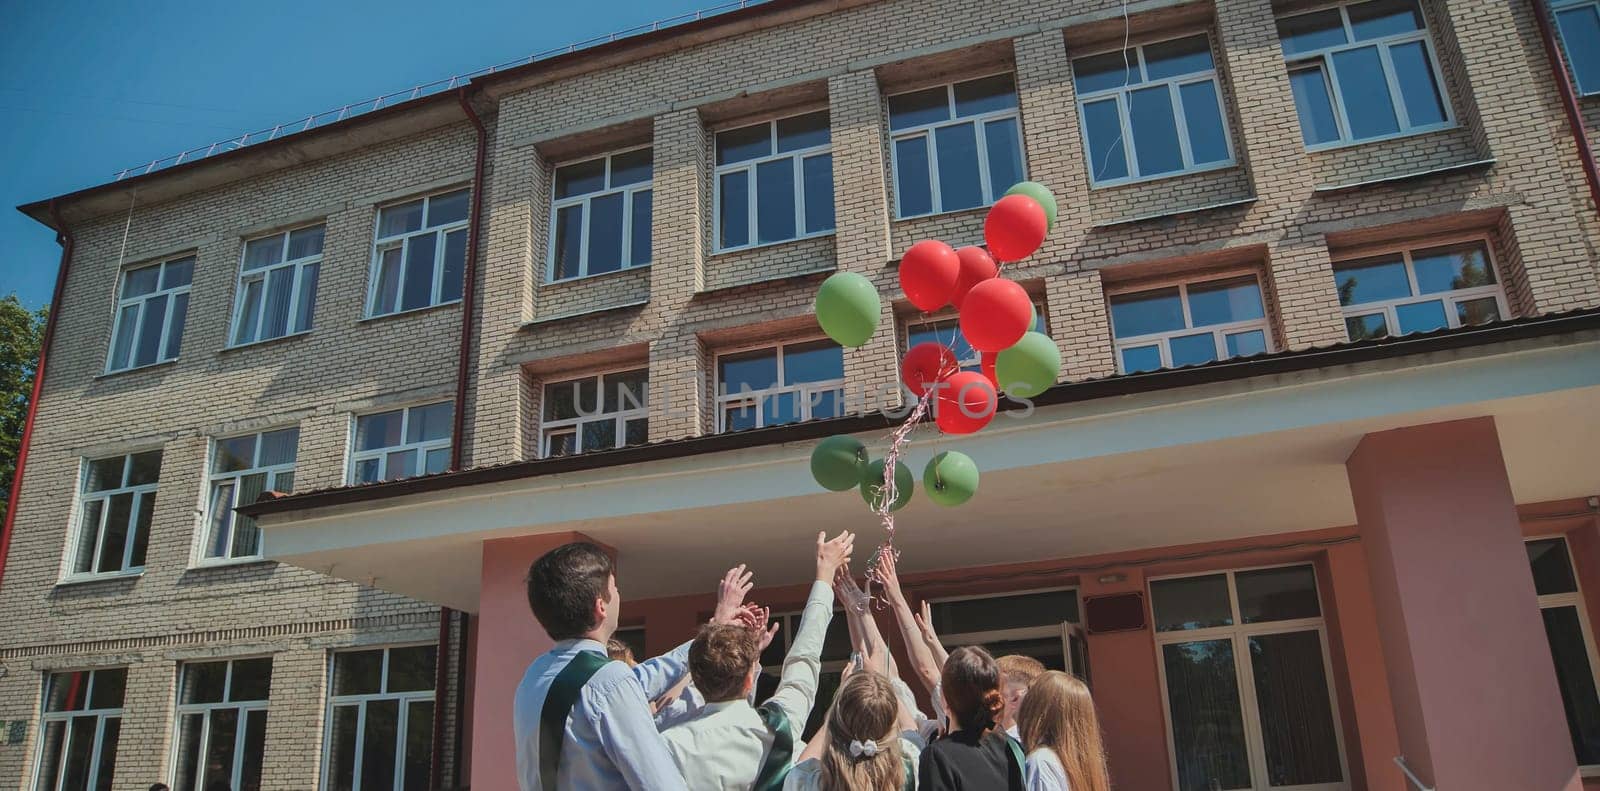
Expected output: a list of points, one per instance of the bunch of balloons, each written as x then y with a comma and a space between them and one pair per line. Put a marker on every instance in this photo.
996, 317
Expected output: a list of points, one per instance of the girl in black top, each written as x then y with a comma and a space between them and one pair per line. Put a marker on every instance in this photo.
975, 754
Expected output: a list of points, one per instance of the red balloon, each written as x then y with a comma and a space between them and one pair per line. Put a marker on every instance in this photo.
926, 364
986, 362
976, 266
966, 403
996, 314
928, 274
1015, 227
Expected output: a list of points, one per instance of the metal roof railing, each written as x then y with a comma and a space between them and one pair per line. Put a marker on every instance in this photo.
427, 89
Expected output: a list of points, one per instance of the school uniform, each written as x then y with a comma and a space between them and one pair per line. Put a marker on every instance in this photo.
609, 738
1044, 771
970, 760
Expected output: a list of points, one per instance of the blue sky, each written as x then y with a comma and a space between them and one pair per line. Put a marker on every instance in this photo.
90, 88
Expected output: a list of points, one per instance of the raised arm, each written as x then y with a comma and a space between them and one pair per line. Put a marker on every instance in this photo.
864, 634
923, 662
797, 686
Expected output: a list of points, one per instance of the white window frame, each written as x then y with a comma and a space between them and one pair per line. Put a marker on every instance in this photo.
927, 131
585, 199
80, 530
553, 428
1174, 86
124, 301
749, 167
215, 480
246, 277
1450, 298
1557, 6
1323, 59
1573, 599
101, 717
402, 721
382, 454
1069, 632
757, 398
1239, 634
1219, 332
206, 710
403, 240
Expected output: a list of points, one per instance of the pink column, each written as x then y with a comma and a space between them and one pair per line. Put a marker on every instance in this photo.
1370, 740
508, 639
1476, 703
1127, 696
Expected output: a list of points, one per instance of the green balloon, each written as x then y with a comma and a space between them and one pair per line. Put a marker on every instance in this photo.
838, 463
951, 478
847, 308
1040, 193
872, 482
1029, 367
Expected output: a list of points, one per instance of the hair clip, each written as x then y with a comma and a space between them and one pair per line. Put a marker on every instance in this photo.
861, 749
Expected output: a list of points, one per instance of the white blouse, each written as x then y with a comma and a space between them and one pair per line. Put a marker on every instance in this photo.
1043, 771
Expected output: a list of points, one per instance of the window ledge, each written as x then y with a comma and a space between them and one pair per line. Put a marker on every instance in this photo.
1328, 189
764, 245
771, 279
214, 564
136, 368
1147, 180
581, 278
588, 312
1344, 144
1174, 213
1592, 770
266, 342
411, 312
91, 579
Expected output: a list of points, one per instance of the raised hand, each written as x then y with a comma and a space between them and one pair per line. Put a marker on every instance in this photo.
850, 594
888, 577
730, 594
833, 553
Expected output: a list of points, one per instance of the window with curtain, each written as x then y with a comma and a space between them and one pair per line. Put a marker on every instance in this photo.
1566, 624
379, 731
1579, 23
779, 384
115, 509
597, 412
1246, 680
242, 468
1189, 324
420, 253
152, 308
277, 293
79, 729
222, 724
1153, 110
1419, 290
1363, 71
402, 443
600, 211
774, 181
955, 147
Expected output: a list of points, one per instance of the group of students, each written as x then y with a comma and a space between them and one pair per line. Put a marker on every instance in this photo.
587, 716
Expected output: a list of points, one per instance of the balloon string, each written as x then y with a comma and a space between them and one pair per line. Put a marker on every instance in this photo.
890, 490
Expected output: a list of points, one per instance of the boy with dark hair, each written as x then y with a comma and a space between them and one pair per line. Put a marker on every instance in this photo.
729, 744
581, 720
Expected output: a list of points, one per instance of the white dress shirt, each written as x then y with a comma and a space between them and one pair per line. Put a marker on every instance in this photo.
610, 740
1043, 771
724, 745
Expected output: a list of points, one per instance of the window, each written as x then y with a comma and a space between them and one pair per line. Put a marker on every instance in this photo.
79, 729
222, 724
1419, 290
1364, 71
402, 443
596, 413
948, 332
600, 215
1150, 111
955, 146
1579, 22
780, 384
1189, 324
1566, 623
119, 499
152, 305
1245, 679
420, 253
380, 720
774, 181
1040, 624
241, 469
277, 285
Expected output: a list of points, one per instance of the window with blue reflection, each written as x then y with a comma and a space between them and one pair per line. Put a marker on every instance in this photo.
1422, 316
774, 181
955, 147
1580, 36
600, 214
1420, 290
1313, 102
1371, 281
777, 385
1189, 324
1146, 313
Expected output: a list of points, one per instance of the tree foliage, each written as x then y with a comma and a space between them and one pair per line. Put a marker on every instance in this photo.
21, 331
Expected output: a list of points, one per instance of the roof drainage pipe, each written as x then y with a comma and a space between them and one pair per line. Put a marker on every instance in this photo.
1569, 99
63, 238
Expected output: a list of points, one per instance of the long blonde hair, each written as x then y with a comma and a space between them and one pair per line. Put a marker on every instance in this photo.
1058, 713
864, 710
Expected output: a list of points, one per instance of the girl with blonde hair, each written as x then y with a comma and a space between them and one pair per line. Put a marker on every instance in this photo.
864, 746
1061, 734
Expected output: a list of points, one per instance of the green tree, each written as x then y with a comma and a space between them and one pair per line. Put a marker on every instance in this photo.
21, 331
